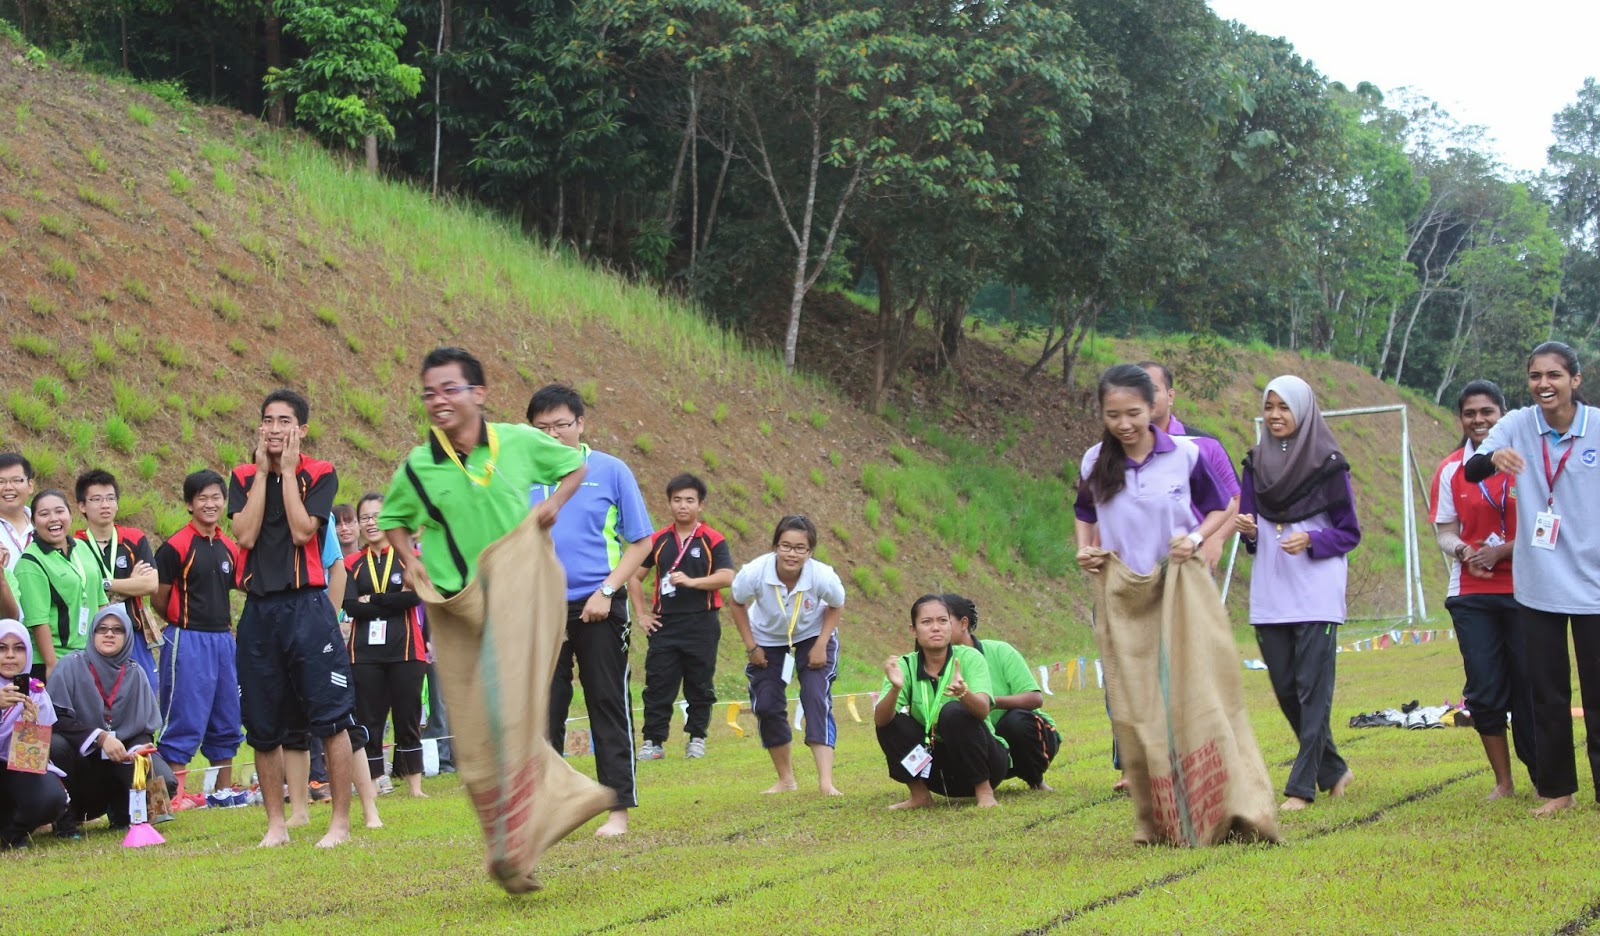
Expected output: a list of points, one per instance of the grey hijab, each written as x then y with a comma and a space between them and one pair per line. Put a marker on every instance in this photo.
134, 714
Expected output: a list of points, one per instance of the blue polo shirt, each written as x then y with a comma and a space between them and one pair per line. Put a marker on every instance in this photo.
605, 515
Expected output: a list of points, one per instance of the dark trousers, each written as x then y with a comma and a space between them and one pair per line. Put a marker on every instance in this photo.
1545, 635
965, 753
99, 787
1299, 660
438, 727
27, 801
382, 688
682, 651
600, 649
769, 694
1033, 743
1489, 632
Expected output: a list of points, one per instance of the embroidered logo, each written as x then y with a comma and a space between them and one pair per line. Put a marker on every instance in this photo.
395, 578
1588, 457
695, 552
227, 567
122, 562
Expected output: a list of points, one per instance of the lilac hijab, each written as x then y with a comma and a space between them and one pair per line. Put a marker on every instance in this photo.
12, 715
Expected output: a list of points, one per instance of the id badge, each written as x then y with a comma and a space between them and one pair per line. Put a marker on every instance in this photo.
377, 632
919, 763
1493, 540
667, 588
138, 807
788, 667
83, 622
1546, 528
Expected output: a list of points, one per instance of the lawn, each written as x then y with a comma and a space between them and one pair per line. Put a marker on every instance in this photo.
1412, 849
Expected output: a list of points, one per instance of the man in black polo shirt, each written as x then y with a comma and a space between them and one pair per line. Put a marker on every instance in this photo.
294, 675
199, 679
123, 556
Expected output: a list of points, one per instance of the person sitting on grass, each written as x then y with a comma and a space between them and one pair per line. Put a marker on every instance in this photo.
932, 715
103, 686
786, 606
28, 799
1028, 733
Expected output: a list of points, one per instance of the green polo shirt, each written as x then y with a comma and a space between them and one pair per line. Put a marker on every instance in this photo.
59, 590
460, 517
1010, 675
923, 696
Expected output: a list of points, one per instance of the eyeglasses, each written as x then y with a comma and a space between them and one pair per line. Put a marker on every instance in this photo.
368, 519
17, 481
792, 549
99, 499
561, 426
118, 630
448, 390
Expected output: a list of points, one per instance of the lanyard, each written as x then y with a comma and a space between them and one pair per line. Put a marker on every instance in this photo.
77, 570
21, 544
380, 585
488, 469
1561, 466
100, 558
793, 617
930, 710
683, 549
1500, 508
109, 699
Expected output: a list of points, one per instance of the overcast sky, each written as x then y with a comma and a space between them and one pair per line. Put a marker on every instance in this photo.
1506, 66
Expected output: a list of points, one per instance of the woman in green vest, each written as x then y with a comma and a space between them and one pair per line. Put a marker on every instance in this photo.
59, 584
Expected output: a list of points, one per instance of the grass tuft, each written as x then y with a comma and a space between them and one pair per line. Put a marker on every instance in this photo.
141, 115
35, 346
132, 403
180, 183
29, 410
283, 367
644, 443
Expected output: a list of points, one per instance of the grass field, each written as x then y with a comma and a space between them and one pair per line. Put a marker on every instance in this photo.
1412, 849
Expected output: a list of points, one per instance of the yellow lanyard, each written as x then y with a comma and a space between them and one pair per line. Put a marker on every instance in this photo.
793, 617
380, 585
488, 469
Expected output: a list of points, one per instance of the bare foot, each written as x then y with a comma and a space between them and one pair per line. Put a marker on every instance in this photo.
419, 795
274, 838
295, 821
1043, 787
616, 825
986, 800
373, 822
1502, 791
782, 786
1121, 786
1344, 782
915, 802
334, 838
1293, 804
1552, 806
829, 790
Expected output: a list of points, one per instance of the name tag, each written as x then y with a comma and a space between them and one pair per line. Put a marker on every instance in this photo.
1546, 529
83, 621
919, 763
788, 666
377, 632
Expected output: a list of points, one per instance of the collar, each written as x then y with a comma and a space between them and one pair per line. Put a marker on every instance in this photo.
1163, 444
922, 669
1580, 424
1175, 426
46, 549
216, 531
439, 455
1467, 451
976, 643
771, 575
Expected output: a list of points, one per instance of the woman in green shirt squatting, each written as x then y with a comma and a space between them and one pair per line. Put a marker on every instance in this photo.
59, 584
932, 715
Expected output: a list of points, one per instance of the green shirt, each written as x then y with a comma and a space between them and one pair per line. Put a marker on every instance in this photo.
430, 492
1010, 675
923, 696
60, 590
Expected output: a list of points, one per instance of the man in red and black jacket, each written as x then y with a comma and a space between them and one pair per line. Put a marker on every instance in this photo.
127, 567
199, 693
692, 566
294, 676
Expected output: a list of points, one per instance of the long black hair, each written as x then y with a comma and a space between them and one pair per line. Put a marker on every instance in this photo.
960, 607
1569, 359
1110, 473
1480, 387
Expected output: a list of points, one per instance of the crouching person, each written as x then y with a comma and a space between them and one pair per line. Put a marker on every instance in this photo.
932, 715
31, 794
1029, 734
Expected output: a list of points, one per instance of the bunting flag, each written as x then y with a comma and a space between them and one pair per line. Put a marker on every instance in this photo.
1099, 674
1072, 674
850, 702
1083, 671
1044, 680
733, 719
799, 714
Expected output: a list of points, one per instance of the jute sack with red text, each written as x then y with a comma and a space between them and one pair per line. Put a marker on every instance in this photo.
495, 645
1172, 682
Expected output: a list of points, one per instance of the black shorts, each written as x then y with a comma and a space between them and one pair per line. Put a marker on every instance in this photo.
294, 670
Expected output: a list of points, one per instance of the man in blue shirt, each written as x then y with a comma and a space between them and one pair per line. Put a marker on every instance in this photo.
601, 537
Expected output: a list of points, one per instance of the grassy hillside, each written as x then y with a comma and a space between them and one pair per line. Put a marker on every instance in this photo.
164, 265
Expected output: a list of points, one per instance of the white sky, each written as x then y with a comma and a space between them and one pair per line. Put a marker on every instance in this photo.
1508, 66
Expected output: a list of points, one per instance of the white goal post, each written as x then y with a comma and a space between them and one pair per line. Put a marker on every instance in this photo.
1416, 604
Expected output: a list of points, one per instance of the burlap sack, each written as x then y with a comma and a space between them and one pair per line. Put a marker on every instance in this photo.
496, 643
1172, 682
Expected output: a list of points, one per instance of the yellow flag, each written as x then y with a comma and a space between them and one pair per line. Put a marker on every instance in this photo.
1072, 674
733, 719
854, 712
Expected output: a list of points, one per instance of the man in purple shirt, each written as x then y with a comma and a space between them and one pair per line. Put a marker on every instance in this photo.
1211, 452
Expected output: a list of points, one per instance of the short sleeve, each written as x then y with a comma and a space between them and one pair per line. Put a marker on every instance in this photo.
1083, 508
169, 565
1204, 491
635, 522
238, 493
319, 499
548, 460
1504, 433
975, 672
141, 550
721, 556
1220, 465
331, 552
402, 508
746, 582
1441, 502
1019, 678
649, 560
831, 589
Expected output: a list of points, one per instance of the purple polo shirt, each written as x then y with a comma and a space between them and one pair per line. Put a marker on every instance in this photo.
1164, 494
1215, 457
1309, 587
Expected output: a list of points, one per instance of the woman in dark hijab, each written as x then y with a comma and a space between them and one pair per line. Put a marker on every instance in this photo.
1296, 488
101, 687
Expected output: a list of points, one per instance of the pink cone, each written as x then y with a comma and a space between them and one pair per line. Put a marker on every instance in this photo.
141, 835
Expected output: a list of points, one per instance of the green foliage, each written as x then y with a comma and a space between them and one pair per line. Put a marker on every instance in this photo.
42, 306
222, 181
644, 443
709, 457
840, 532
588, 391
101, 350
818, 419
368, 405
171, 353
688, 407
233, 274
283, 367
96, 159
764, 427
36, 346
772, 488
328, 315
205, 230
836, 458
146, 466
225, 307
818, 478
61, 270
872, 512
886, 549
57, 225
82, 434
180, 183
867, 582
238, 346
891, 578
119, 434
50, 388
137, 289
29, 410
132, 403
141, 115
719, 414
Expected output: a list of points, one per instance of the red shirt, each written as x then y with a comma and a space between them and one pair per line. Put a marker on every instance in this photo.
1484, 510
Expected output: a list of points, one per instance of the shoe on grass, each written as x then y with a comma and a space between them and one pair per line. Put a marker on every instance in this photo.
384, 784
696, 748
320, 792
651, 751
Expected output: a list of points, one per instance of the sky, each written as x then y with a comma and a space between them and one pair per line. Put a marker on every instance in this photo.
1508, 67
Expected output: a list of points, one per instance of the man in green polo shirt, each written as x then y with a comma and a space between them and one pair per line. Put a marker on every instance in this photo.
1016, 717
468, 485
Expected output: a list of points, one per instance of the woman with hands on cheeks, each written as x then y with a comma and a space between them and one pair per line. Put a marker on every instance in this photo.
932, 715
1298, 481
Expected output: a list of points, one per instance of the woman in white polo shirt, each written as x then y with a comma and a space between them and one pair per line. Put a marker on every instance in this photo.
786, 606
1550, 448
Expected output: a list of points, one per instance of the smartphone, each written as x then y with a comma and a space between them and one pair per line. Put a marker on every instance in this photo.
22, 681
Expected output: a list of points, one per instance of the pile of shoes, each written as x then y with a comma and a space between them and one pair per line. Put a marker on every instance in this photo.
1414, 715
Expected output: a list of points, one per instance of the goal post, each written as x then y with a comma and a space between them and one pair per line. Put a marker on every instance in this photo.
1416, 603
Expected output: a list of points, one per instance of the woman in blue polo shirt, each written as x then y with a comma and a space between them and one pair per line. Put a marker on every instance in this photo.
1550, 448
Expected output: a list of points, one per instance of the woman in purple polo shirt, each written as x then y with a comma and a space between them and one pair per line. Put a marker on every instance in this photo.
1299, 482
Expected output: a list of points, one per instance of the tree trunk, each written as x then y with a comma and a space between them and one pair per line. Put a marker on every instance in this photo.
277, 109
882, 268
122, 17
438, 93
690, 128
716, 197
372, 153
1070, 358
1457, 345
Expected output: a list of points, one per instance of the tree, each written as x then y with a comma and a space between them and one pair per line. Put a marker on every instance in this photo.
352, 73
1574, 187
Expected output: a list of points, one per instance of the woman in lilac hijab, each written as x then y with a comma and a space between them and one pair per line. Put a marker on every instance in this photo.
27, 800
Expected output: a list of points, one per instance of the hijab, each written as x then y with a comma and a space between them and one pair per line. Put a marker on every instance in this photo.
9, 717
86, 677
1302, 475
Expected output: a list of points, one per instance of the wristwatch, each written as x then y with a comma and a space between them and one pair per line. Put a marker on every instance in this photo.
606, 591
